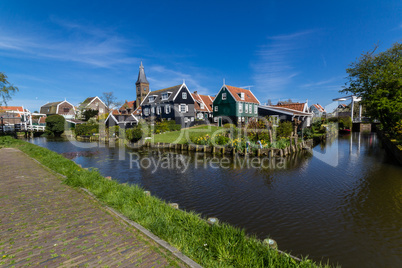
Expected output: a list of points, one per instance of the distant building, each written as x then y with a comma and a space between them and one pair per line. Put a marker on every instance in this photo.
234, 105
123, 121
128, 107
142, 87
11, 115
93, 103
203, 106
317, 110
63, 108
173, 103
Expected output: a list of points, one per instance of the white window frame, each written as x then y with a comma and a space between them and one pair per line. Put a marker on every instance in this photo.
165, 96
192, 119
167, 109
255, 109
202, 105
216, 108
152, 110
250, 108
182, 108
224, 96
158, 110
240, 108
246, 106
185, 119
152, 98
146, 111
184, 95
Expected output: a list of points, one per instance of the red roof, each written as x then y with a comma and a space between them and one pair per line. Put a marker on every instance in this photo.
293, 106
127, 104
319, 108
138, 111
42, 120
248, 96
12, 108
202, 99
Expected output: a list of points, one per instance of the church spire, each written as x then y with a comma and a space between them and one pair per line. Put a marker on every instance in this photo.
141, 76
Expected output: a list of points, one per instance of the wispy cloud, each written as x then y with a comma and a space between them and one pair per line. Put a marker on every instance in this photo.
331, 84
275, 68
79, 43
168, 78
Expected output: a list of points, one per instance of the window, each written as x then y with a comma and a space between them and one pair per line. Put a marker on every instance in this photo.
216, 108
246, 106
184, 95
158, 110
241, 95
240, 107
192, 119
250, 108
255, 109
202, 105
223, 96
167, 109
66, 110
152, 98
101, 110
153, 110
165, 96
239, 119
146, 111
183, 108
185, 119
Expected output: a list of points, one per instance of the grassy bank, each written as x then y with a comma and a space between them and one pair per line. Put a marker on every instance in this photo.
211, 246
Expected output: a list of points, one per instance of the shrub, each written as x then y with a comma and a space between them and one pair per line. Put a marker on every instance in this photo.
284, 129
345, 122
86, 129
55, 125
134, 134
229, 125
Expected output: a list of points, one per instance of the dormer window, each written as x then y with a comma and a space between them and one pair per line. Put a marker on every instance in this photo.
202, 105
224, 96
165, 96
152, 98
241, 95
184, 95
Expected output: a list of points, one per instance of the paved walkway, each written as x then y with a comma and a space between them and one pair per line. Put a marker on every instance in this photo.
44, 223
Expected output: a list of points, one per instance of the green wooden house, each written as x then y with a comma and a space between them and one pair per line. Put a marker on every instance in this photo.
234, 105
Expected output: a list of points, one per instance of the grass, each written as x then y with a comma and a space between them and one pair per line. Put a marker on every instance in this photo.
184, 135
211, 246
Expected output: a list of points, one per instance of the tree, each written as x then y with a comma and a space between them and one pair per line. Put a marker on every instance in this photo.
6, 89
377, 79
110, 100
55, 125
89, 113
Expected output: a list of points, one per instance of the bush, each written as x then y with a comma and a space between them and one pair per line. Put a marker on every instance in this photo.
229, 125
284, 129
345, 122
55, 125
86, 129
134, 134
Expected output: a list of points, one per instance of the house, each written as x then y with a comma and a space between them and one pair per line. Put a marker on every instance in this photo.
63, 108
203, 106
123, 121
317, 110
288, 112
128, 107
11, 115
234, 105
93, 103
173, 103
342, 110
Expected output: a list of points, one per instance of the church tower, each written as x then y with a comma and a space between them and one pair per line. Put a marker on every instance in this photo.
142, 86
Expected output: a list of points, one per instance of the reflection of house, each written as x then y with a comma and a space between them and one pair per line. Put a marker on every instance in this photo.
93, 103
173, 103
63, 108
234, 105
203, 106
317, 110
123, 121
288, 112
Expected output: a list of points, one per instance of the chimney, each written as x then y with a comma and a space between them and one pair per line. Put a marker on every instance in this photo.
195, 92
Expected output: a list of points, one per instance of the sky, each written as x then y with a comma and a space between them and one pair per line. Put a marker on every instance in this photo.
299, 50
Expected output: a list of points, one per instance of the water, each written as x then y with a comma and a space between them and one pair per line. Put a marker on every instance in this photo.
342, 202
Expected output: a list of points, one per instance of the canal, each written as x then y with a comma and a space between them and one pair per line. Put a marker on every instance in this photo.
342, 202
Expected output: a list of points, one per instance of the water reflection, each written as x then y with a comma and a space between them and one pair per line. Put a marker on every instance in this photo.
343, 202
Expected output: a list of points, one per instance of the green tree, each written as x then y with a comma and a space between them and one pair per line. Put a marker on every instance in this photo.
89, 113
6, 89
55, 125
377, 79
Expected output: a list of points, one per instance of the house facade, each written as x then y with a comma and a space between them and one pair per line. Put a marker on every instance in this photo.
173, 103
234, 105
317, 110
203, 106
11, 115
93, 103
63, 108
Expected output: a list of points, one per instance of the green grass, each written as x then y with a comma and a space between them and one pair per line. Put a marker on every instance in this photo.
184, 135
211, 246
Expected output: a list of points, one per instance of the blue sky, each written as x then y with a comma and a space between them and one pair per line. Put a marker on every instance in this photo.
54, 50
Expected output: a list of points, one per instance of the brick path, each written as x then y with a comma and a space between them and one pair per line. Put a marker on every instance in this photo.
44, 223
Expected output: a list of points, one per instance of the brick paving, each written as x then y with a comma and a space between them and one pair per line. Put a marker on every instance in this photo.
44, 223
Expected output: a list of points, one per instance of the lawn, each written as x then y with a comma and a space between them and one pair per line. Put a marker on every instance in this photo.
184, 135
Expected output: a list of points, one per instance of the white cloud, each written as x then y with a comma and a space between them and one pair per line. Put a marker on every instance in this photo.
274, 68
83, 44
